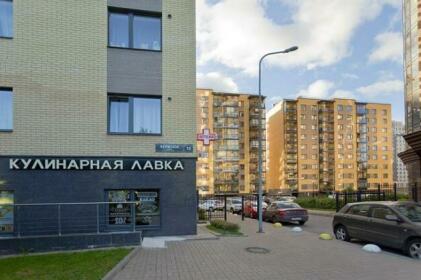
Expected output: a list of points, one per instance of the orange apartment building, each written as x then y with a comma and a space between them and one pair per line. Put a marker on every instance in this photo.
329, 145
230, 163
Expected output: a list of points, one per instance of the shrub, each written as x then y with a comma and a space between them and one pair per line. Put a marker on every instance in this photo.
317, 202
202, 214
221, 224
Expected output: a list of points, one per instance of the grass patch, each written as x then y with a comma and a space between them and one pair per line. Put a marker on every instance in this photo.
223, 231
224, 227
78, 265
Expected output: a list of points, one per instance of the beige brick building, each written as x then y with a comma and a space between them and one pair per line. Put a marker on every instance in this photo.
57, 64
324, 145
94, 107
229, 164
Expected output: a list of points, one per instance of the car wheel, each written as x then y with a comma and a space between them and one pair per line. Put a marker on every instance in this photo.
413, 248
211, 209
301, 223
232, 210
341, 233
274, 219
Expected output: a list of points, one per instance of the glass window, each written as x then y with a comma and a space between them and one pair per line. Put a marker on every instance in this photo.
119, 114
140, 115
6, 212
359, 210
411, 211
380, 212
147, 208
147, 33
119, 30
6, 109
129, 30
6, 18
147, 115
119, 210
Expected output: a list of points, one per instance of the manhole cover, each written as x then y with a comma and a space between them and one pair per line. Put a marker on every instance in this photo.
257, 250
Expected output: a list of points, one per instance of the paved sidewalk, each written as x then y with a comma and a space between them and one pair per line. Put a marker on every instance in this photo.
300, 256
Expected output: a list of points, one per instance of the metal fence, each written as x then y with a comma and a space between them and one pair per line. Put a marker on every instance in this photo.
217, 206
60, 219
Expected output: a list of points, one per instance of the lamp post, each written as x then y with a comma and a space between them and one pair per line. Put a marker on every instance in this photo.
260, 204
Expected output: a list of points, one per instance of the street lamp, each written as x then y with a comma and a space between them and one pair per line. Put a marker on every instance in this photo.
260, 210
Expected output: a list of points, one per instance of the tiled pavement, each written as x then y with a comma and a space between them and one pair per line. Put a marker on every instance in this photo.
300, 256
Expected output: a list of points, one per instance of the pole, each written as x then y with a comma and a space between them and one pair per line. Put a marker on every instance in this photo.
260, 192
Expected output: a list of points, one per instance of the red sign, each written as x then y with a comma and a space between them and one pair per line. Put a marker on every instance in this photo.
206, 136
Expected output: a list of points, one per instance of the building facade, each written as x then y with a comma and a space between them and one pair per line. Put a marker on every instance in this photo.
412, 155
400, 174
229, 164
329, 145
93, 96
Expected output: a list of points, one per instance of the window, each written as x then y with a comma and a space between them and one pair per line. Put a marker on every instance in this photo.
7, 215
6, 18
340, 136
340, 126
6, 109
384, 112
303, 126
349, 108
373, 129
384, 129
130, 30
384, 148
145, 210
137, 115
359, 210
380, 212
340, 117
340, 108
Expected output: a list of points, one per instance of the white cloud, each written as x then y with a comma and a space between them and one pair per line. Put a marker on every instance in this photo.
340, 93
318, 89
389, 46
216, 81
236, 33
382, 88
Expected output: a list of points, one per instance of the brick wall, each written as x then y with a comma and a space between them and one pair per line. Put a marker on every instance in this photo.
57, 66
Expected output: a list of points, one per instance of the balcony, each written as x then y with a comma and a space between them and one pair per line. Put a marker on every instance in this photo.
225, 115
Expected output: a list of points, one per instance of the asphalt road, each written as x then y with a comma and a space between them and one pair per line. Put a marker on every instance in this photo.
317, 224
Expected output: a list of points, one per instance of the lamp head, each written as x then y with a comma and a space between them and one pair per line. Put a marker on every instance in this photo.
291, 49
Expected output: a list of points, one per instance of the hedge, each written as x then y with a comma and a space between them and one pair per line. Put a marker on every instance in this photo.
221, 224
317, 202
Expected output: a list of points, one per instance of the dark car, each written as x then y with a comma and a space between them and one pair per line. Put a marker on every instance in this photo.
282, 211
390, 224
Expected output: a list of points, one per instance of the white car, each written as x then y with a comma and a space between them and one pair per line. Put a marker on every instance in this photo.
211, 205
234, 204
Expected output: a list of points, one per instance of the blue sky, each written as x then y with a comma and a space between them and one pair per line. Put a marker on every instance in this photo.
346, 48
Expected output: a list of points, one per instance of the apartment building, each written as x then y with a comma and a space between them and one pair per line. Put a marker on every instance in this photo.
411, 33
228, 164
324, 145
93, 102
400, 174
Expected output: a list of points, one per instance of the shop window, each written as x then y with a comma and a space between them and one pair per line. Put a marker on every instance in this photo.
126, 206
6, 212
6, 18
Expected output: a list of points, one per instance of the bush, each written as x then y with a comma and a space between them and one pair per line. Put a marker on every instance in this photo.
221, 224
317, 202
202, 214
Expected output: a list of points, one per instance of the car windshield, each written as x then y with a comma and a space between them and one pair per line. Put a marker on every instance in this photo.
236, 201
411, 211
287, 205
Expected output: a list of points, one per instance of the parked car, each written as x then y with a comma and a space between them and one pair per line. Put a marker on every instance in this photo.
391, 224
286, 212
250, 209
287, 198
211, 205
234, 204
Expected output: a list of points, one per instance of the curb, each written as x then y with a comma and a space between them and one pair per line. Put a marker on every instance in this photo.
322, 213
121, 265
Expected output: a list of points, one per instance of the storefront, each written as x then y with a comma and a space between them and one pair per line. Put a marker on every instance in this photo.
56, 196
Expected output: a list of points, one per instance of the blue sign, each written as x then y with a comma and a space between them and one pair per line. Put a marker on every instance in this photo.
174, 148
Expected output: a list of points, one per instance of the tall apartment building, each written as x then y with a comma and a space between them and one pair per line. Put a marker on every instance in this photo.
412, 38
323, 145
93, 102
400, 174
230, 163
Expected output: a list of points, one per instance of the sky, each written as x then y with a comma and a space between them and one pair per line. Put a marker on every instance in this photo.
347, 48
